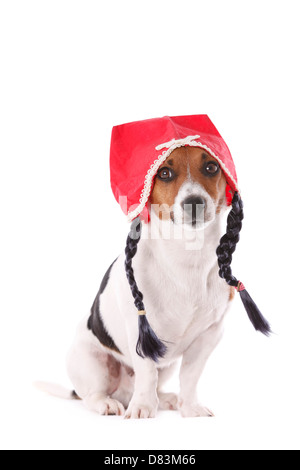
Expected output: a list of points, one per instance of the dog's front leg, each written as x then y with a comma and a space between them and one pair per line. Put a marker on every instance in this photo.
193, 364
144, 403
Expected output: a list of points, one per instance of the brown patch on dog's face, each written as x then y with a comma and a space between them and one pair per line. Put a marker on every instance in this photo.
183, 165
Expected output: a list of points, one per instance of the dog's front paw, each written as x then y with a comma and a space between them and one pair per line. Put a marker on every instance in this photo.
195, 410
138, 410
168, 401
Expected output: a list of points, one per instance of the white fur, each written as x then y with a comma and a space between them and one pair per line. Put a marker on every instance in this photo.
186, 302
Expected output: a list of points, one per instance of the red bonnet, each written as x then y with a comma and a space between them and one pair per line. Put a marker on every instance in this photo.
139, 149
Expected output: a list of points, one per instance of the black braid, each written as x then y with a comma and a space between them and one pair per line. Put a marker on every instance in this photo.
229, 241
148, 345
225, 251
130, 251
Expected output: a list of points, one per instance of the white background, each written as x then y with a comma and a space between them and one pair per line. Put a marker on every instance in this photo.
70, 70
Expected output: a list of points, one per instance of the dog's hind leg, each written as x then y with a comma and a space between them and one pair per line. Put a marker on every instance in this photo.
95, 374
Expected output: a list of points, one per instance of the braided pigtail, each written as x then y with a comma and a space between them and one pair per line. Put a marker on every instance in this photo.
148, 345
225, 251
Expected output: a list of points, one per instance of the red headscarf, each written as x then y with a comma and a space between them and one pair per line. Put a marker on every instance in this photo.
139, 149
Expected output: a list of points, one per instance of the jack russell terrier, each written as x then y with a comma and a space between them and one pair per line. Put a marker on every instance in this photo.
166, 297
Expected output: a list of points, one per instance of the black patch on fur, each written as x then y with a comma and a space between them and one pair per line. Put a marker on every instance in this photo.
95, 321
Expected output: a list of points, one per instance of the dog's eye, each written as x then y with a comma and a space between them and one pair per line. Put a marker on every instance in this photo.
212, 168
166, 174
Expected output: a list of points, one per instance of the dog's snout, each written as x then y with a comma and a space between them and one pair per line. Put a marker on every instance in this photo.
191, 203
193, 207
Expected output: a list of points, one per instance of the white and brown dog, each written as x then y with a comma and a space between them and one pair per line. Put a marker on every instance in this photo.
181, 266
185, 297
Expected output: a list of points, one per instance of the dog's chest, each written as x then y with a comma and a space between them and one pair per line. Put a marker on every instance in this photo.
184, 301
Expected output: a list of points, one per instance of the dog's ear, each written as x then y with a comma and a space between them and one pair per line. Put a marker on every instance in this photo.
225, 251
148, 345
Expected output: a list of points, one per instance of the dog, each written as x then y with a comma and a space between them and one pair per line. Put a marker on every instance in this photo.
176, 263
186, 301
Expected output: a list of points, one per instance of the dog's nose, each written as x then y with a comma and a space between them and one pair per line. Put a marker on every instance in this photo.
193, 207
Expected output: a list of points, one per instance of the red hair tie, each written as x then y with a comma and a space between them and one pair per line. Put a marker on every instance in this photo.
240, 287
